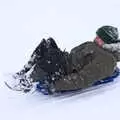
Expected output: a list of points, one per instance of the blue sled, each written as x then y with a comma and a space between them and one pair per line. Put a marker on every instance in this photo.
43, 88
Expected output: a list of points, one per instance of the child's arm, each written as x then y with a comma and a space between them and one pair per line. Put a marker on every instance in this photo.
114, 47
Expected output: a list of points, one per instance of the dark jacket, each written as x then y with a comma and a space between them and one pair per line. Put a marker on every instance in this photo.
86, 64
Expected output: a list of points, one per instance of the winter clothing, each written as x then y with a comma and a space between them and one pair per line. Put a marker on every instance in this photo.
108, 34
107, 38
89, 63
47, 63
52, 64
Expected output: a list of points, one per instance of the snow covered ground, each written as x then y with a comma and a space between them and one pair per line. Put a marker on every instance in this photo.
23, 23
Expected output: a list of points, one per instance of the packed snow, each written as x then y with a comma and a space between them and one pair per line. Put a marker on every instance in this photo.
23, 23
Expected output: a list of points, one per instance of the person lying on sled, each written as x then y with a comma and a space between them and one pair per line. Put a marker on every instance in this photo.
79, 69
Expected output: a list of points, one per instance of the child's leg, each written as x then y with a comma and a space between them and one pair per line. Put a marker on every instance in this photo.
35, 57
38, 53
52, 62
38, 66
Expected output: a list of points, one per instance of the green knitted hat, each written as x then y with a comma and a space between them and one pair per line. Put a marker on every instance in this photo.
108, 34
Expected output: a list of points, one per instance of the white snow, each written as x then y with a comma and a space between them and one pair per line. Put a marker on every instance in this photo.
23, 23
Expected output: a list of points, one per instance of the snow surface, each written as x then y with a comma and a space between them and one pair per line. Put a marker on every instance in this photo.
23, 23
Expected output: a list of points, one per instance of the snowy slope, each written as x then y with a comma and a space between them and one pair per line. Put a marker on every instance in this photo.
23, 23
99, 104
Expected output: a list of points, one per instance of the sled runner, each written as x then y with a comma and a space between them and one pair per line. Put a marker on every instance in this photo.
43, 88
